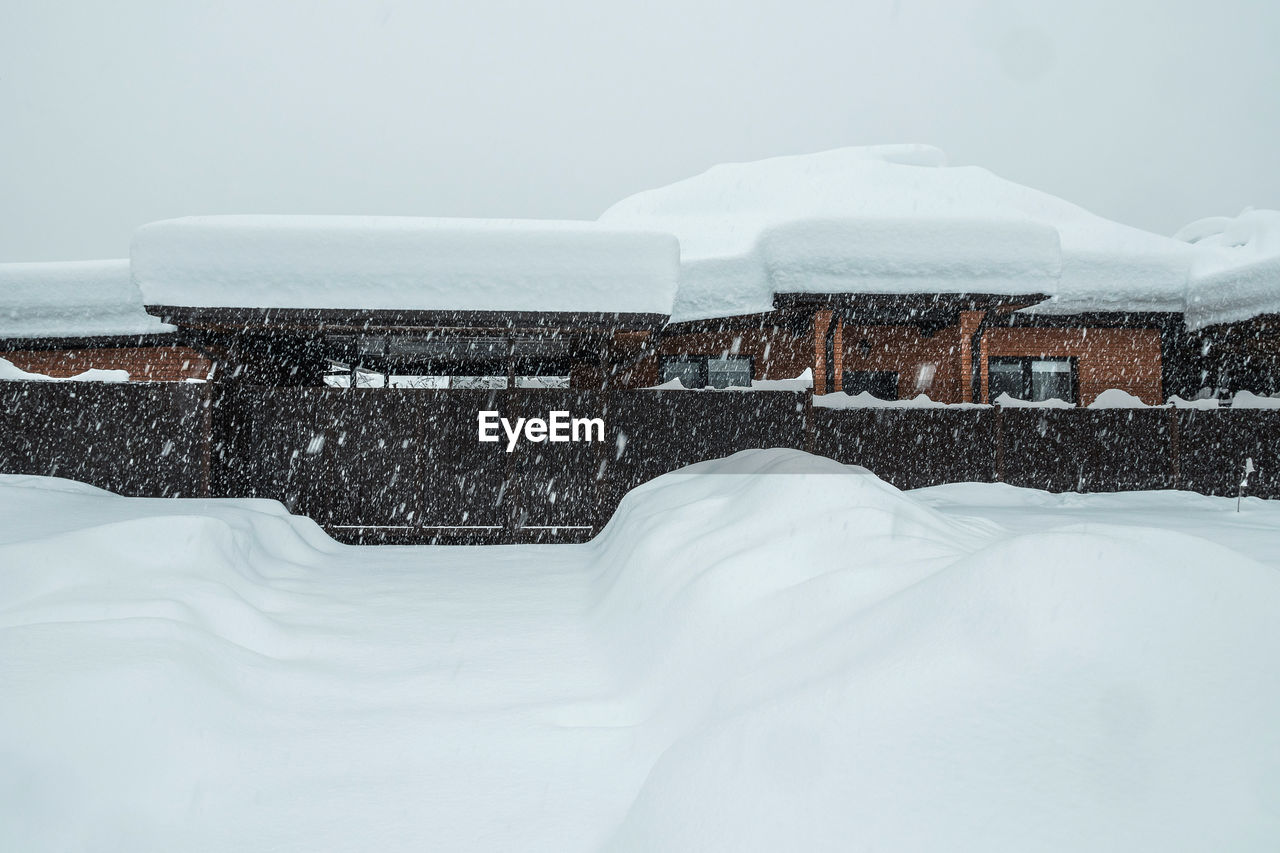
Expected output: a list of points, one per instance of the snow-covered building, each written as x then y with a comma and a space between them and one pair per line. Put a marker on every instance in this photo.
296, 300
1233, 299
879, 269
63, 319
885, 270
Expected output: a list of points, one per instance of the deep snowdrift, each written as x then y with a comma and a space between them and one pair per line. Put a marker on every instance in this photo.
767, 652
893, 219
72, 299
399, 262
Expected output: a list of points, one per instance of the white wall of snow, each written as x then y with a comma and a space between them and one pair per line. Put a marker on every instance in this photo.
353, 262
72, 299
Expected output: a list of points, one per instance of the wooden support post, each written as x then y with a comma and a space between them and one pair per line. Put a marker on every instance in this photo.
821, 323
970, 321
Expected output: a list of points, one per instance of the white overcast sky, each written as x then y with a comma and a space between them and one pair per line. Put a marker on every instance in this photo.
113, 114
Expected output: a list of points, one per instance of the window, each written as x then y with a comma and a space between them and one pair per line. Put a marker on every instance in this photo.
882, 384
699, 371
1033, 379
542, 381
729, 371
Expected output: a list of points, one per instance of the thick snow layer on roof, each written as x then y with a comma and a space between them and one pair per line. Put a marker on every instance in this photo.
72, 299
895, 219
1236, 271
358, 262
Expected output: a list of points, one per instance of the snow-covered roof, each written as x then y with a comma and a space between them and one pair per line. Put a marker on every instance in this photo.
72, 300
895, 219
404, 263
1236, 271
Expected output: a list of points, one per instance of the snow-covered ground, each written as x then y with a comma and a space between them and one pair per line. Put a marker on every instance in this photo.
768, 652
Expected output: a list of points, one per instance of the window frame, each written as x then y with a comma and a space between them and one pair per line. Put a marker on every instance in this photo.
704, 370
1025, 363
848, 373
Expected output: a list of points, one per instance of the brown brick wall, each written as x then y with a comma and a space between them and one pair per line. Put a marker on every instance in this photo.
153, 364
906, 351
1128, 359
775, 354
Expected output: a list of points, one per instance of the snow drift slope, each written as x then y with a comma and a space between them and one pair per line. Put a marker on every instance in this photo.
771, 651
1011, 702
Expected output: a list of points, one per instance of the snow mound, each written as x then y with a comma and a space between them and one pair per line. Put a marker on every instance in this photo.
72, 300
1236, 273
1017, 403
10, 371
693, 563
1250, 400
867, 400
895, 219
801, 382
1109, 698
1116, 398
379, 262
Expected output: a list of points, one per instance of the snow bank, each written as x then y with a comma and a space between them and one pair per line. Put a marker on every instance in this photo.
802, 382
895, 219
1236, 274
1198, 403
1106, 701
72, 300
1249, 400
1114, 398
10, 371
1016, 403
770, 651
404, 263
866, 400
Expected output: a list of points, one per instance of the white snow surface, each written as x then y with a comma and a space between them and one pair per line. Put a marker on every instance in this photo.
1250, 400
769, 652
386, 262
867, 400
72, 299
1115, 398
1236, 274
895, 219
801, 382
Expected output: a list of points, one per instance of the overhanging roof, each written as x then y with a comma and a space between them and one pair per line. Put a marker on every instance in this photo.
312, 321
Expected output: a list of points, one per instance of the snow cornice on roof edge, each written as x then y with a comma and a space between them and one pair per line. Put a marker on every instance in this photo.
72, 299
360, 263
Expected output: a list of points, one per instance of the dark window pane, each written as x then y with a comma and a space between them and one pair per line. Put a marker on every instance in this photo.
1051, 380
733, 370
691, 371
882, 384
1005, 377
